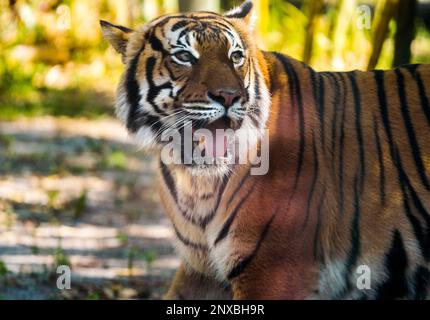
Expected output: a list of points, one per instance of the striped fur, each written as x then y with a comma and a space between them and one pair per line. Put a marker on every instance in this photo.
348, 183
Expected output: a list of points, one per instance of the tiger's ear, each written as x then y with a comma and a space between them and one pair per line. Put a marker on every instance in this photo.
117, 36
245, 12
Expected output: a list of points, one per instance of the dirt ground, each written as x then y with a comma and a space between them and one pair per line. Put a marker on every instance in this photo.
78, 193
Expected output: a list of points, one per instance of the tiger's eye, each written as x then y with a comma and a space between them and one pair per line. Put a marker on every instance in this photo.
184, 56
236, 57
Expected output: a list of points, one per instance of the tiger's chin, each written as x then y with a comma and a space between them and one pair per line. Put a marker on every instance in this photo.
218, 170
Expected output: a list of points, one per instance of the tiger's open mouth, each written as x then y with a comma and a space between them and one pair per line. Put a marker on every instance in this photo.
213, 139
207, 145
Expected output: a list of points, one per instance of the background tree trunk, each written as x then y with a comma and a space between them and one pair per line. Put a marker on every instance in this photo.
405, 31
385, 11
314, 8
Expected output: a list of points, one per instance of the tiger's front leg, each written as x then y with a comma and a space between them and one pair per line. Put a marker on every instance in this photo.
272, 286
190, 285
272, 276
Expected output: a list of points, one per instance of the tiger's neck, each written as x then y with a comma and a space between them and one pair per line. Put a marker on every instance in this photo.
196, 197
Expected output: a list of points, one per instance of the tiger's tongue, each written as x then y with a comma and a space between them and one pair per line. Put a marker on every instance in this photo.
216, 145
216, 140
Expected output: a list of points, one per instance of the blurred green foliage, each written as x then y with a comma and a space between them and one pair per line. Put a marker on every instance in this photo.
53, 60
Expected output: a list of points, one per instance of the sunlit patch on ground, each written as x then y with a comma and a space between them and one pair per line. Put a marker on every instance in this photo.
77, 192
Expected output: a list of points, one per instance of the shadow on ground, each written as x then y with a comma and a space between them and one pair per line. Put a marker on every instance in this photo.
76, 192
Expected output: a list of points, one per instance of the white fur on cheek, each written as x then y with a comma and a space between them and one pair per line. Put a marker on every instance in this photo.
122, 106
163, 98
145, 138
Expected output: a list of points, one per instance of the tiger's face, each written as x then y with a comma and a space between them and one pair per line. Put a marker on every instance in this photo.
198, 71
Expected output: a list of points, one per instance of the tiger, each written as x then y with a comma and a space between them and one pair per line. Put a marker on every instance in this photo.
343, 209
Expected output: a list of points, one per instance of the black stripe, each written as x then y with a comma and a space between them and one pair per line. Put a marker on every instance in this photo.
168, 180
215, 19
108, 24
165, 20
197, 108
156, 44
238, 187
188, 242
215, 32
354, 252
421, 90
342, 147
423, 97
396, 263
380, 161
415, 148
335, 105
254, 120
292, 88
313, 76
380, 87
357, 108
241, 265
208, 218
173, 77
321, 107
183, 33
206, 196
421, 283
257, 83
146, 119
316, 245
291, 73
180, 24
226, 227
133, 92
314, 180
187, 41
153, 89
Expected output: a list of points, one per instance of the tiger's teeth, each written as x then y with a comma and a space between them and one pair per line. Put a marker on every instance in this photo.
202, 143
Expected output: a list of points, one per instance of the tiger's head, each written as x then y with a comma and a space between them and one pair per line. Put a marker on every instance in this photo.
199, 69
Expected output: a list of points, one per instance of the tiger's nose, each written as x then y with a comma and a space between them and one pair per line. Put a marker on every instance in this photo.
226, 97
